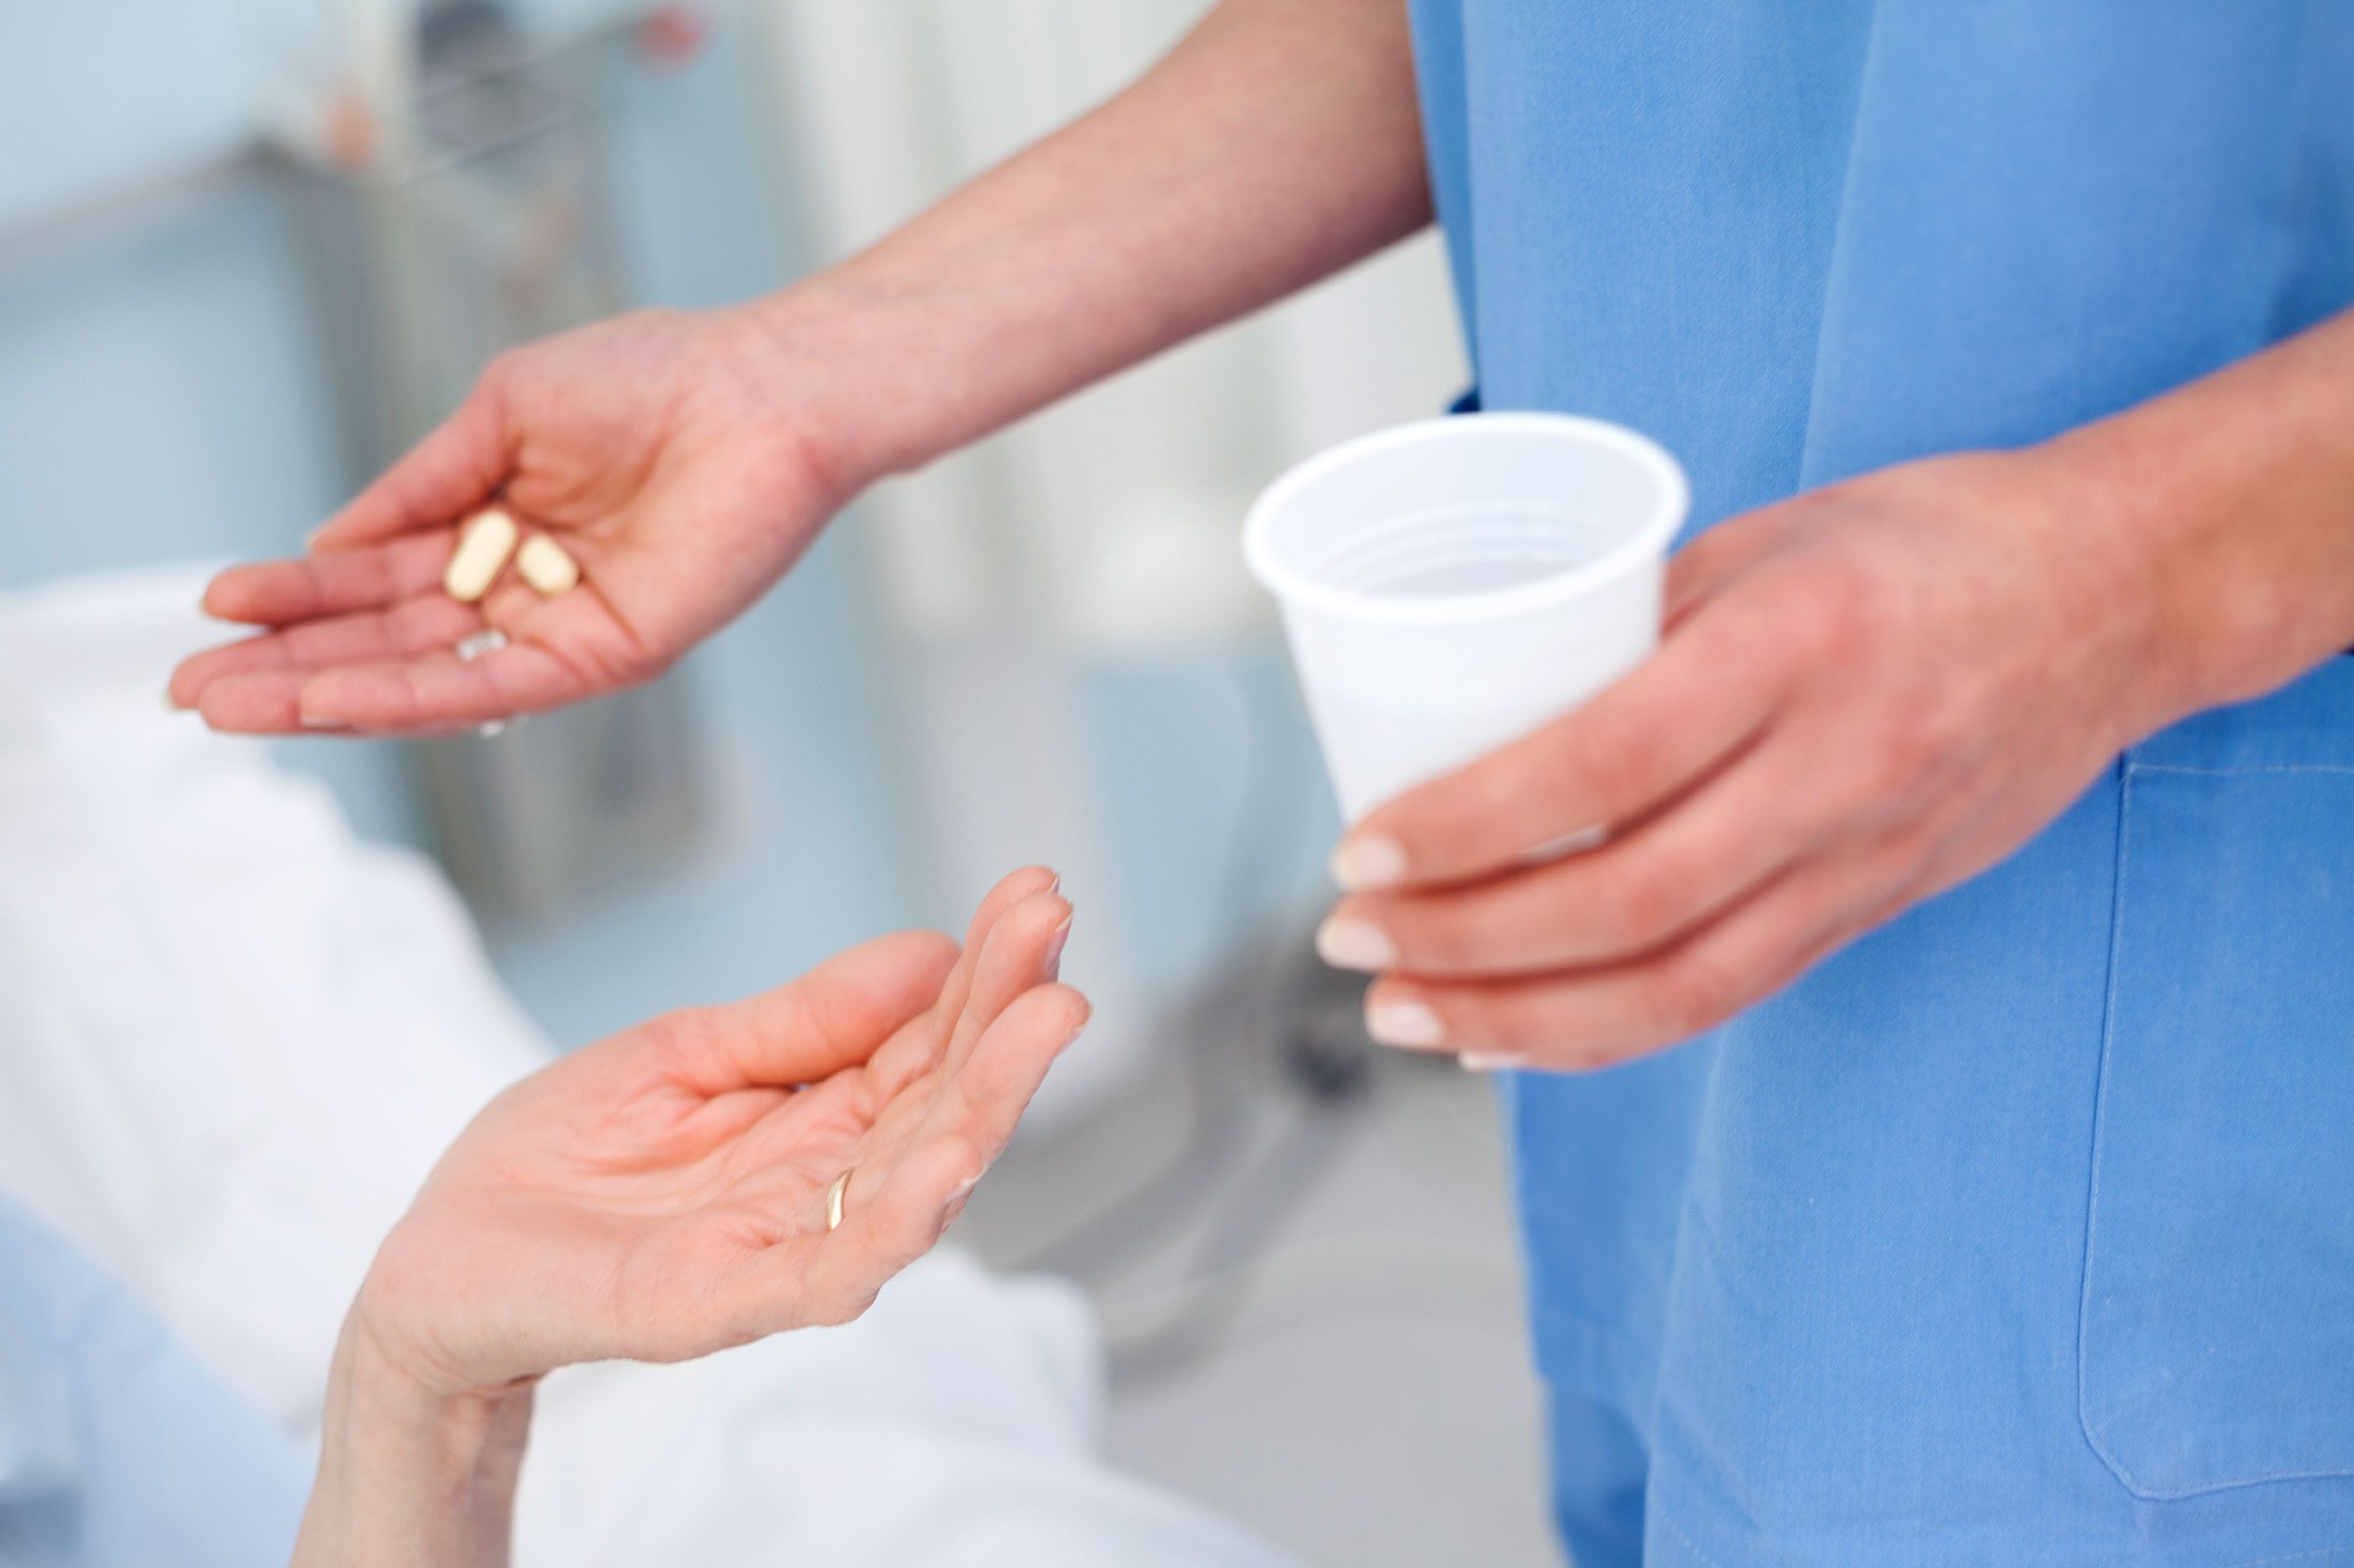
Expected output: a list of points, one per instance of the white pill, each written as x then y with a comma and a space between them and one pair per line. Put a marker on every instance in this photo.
473, 646
469, 649
547, 565
482, 549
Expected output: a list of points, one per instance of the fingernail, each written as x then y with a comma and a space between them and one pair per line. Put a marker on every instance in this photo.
1482, 1062
1051, 966
310, 540
311, 721
1368, 860
1348, 941
173, 704
1569, 844
964, 1189
1408, 1024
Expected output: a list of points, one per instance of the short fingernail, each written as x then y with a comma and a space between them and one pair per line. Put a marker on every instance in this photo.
1349, 941
313, 721
1408, 1024
171, 702
1368, 860
1052, 965
1485, 1062
1569, 844
310, 540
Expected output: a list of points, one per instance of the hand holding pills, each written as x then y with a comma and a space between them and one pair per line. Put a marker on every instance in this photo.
1864, 697
602, 499
484, 546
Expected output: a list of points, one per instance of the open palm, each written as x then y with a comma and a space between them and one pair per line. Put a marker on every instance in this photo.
664, 1194
658, 447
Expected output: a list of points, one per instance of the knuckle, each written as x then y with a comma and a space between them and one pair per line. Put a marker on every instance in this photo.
1508, 1023
1433, 934
1697, 991
502, 372
1598, 779
1455, 825
1487, 932
1841, 609
1497, 790
1899, 759
1496, 929
684, 1039
1652, 898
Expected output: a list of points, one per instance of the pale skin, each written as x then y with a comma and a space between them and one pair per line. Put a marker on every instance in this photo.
661, 1196
1866, 694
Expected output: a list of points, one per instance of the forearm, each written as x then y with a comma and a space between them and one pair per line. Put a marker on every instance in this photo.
407, 1477
1279, 142
2234, 500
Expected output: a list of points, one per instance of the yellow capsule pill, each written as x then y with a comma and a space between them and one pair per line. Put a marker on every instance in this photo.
482, 549
547, 565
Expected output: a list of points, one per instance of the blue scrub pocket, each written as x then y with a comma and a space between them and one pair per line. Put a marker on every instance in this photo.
2216, 1346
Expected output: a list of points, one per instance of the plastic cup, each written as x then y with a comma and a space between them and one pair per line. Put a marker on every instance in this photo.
1450, 584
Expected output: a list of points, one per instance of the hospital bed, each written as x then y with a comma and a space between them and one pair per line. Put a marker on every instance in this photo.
233, 1037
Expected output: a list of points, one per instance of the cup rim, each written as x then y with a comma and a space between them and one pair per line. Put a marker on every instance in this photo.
1648, 540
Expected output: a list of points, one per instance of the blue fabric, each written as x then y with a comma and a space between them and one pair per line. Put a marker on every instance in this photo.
116, 1450
2023, 1231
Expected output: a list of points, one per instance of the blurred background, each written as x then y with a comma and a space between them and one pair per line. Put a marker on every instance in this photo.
251, 248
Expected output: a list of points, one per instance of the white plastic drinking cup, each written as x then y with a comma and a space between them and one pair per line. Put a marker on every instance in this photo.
1450, 584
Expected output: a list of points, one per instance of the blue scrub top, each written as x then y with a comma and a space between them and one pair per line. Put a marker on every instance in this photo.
2022, 1232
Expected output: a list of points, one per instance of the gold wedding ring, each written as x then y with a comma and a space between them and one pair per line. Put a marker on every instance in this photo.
834, 1200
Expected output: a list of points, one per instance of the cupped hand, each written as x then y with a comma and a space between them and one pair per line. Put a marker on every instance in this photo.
677, 456
662, 1194
1865, 695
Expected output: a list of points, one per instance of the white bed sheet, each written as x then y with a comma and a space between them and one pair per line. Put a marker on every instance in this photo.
231, 1039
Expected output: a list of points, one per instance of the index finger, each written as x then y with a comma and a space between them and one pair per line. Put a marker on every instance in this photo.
276, 592
456, 469
1664, 728
918, 1051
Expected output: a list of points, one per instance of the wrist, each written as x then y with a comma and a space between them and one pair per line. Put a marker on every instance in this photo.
2233, 495
407, 1472
2133, 586
852, 363
458, 1429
